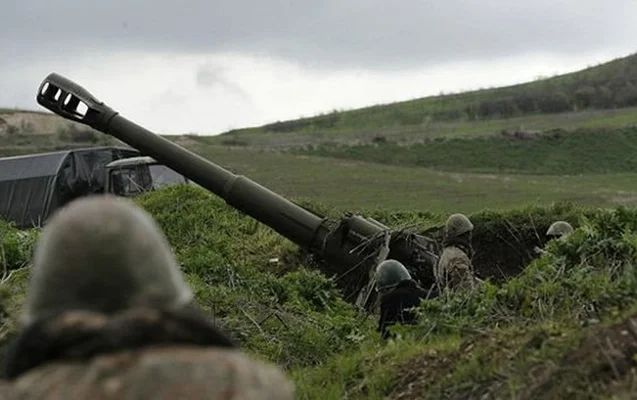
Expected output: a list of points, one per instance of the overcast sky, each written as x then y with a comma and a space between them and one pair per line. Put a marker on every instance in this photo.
209, 66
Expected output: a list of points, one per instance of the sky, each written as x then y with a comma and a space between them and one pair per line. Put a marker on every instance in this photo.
206, 67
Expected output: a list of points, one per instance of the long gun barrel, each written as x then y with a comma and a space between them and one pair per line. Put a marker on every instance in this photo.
356, 242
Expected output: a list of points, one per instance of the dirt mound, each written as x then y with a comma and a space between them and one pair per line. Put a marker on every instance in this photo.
419, 374
436, 374
604, 361
529, 363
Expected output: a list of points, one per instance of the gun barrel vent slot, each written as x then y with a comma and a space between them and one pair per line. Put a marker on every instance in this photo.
45, 87
74, 105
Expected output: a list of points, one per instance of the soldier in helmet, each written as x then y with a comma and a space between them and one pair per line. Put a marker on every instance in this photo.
398, 293
108, 315
454, 269
559, 229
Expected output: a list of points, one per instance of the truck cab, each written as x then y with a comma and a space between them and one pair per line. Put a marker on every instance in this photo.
133, 176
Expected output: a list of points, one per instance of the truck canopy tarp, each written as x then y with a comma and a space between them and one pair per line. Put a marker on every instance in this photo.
33, 186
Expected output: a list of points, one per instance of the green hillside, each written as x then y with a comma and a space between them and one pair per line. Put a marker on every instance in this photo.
563, 328
556, 152
568, 121
607, 86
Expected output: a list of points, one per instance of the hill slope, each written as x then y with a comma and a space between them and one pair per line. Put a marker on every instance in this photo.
598, 96
30, 132
25, 122
609, 85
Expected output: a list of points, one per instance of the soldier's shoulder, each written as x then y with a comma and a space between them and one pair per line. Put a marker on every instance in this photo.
5, 390
168, 372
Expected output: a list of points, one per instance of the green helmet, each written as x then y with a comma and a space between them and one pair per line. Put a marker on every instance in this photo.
559, 228
390, 273
457, 224
102, 253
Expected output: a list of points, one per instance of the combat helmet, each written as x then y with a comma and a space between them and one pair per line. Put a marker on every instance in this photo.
102, 253
559, 229
390, 273
457, 224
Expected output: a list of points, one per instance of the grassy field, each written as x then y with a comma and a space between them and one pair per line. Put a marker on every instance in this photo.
446, 184
557, 153
355, 185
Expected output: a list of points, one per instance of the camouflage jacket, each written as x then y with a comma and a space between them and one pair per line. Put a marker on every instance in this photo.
454, 270
160, 373
136, 354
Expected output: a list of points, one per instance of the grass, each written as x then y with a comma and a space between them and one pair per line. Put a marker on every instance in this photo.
599, 151
265, 306
536, 335
354, 185
588, 119
458, 176
354, 178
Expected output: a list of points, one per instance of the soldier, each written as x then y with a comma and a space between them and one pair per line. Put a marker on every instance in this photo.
108, 315
398, 293
454, 269
559, 229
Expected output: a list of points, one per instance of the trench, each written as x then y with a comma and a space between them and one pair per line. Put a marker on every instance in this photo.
502, 249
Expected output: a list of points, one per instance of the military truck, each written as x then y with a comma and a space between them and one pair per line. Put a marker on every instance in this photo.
33, 186
134, 175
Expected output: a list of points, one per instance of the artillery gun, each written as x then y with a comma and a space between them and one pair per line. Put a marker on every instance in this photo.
351, 247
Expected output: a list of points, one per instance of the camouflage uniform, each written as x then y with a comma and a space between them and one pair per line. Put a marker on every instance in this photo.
454, 269
109, 316
178, 372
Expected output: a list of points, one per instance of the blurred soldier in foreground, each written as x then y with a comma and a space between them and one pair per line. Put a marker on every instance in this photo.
398, 293
455, 269
108, 315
